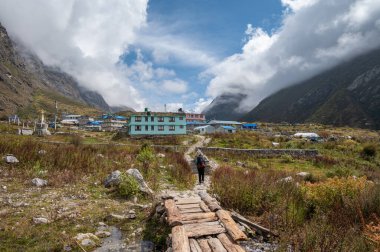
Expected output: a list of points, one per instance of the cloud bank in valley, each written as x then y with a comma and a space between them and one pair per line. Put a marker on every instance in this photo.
315, 35
84, 38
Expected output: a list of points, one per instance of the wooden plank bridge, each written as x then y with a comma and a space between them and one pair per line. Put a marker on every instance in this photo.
200, 224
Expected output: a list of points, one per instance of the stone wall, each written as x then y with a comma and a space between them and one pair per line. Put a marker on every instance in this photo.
297, 153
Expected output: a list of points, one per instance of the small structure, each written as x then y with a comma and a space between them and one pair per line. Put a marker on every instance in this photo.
308, 135
192, 125
157, 123
206, 129
93, 126
226, 129
217, 124
249, 126
14, 119
42, 126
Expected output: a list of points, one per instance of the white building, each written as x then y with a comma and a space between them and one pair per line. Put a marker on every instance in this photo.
207, 129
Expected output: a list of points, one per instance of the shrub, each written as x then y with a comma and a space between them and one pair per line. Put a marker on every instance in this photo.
145, 157
369, 151
128, 186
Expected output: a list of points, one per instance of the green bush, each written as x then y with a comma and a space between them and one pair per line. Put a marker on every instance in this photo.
128, 186
369, 150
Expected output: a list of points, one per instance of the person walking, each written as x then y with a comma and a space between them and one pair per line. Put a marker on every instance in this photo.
201, 165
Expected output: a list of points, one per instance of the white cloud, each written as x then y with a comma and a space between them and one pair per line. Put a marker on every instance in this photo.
201, 104
315, 35
176, 86
84, 38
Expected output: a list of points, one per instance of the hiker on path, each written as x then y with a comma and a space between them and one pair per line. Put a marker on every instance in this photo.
201, 165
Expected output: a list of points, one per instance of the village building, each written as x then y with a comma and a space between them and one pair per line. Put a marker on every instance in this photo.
217, 124
226, 129
157, 123
206, 129
69, 120
249, 126
114, 122
194, 117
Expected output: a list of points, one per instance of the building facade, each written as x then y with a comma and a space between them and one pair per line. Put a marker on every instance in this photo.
193, 117
157, 123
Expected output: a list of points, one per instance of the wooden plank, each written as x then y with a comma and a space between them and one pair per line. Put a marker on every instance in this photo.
194, 246
188, 201
200, 230
204, 245
210, 202
239, 218
231, 226
228, 244
216, 245
180, 241
197, 216
192, 210
174, 216
188, 206
213, 218
211, 223
204, 207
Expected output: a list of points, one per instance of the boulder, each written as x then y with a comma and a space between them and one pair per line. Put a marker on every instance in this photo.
160, 155
113, 179
10, 159
40, 220
39, 182
140, 179
303, 174
286, 180
87, 239
102, 234
42, 152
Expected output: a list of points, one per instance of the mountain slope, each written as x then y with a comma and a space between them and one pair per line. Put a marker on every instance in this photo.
222, 107
23, 77
348, 94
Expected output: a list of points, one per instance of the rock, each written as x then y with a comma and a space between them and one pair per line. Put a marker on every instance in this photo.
140, 179
303, 174
139, 230
135, 199
225, 159
39, 182
287, 179
160, 209
160, 155
42, 152
238, 163
132, 212
67, 248
10, 159
40, 220
87, 239
99, 155
113, 216
87, 242
102, 224
274, 144
102, 234
113, 179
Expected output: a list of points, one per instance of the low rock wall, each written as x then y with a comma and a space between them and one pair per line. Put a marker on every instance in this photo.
297, 153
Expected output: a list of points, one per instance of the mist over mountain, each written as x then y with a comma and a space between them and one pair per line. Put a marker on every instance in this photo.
22, 74
346, 95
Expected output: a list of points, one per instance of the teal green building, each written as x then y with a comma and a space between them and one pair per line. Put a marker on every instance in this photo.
157, 123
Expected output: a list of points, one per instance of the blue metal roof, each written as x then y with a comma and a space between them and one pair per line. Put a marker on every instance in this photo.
249, 125
95, 123
224, 122
228, 127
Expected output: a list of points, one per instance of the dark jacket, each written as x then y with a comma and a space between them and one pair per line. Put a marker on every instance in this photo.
200, 162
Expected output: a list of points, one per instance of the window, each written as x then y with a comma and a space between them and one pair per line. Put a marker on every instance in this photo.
181, 118
171, 128
152, 119
138, 128
138, 119
161, 119
152, 128
146, 119
181, 126
146, 128
172, 119
160, 128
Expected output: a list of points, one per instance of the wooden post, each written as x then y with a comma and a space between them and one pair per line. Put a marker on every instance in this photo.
180, 242
231, 226
204, 245
174, 216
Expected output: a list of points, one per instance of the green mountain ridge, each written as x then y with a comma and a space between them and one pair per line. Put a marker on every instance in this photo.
346, 95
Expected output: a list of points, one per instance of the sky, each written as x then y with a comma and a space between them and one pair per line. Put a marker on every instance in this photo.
184, 53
